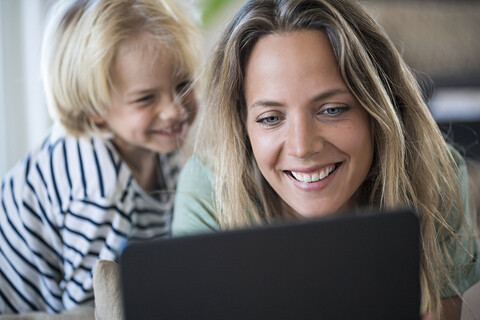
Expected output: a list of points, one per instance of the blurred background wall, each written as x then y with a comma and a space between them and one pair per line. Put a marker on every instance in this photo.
23, 116
438, 38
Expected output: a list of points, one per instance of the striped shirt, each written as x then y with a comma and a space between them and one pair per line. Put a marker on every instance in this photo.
64, 206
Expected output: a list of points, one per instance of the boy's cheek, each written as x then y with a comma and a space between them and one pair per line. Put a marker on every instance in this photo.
191, 106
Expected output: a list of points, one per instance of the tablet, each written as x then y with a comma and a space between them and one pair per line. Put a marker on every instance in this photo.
344, 267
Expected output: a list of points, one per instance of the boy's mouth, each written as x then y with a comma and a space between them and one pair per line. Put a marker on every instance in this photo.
172, 130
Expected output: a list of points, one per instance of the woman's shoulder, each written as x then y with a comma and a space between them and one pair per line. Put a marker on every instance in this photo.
463, 264
197, 168
194, 210
195, 182
457, 157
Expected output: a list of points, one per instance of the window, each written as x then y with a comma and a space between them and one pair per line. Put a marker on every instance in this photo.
23, 114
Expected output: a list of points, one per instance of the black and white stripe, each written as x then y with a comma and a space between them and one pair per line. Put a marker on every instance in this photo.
67, 204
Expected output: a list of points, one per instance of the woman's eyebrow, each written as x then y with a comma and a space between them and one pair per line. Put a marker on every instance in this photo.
321, 96
266, 103
329, 93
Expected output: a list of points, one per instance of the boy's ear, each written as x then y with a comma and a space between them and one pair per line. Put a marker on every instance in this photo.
98, 119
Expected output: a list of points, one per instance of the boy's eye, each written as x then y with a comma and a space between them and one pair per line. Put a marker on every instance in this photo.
145, 98
182, 86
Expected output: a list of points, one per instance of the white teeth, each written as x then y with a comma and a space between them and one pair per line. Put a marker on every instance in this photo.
323, 174
314, 176
172, 129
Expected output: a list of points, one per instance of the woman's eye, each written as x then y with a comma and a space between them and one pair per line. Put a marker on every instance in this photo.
268, 120
333, 111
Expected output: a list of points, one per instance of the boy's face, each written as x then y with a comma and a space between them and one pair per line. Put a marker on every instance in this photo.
147, 111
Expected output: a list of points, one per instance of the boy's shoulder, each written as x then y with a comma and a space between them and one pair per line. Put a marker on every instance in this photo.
83, 168
72, 165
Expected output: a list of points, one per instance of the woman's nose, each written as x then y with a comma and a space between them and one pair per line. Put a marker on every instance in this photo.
302, 140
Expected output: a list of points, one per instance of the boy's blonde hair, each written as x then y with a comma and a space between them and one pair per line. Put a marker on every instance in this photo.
80, 44
412, 164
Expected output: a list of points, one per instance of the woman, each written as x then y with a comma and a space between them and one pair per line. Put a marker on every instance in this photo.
316, 112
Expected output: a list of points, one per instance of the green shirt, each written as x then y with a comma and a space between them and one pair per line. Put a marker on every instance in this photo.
194, 213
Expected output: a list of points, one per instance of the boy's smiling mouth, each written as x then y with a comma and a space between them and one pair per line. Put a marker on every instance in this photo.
172, 130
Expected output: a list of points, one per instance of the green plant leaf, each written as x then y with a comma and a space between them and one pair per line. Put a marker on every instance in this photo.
210, 9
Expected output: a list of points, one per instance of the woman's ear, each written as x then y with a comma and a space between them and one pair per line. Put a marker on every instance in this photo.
372, 129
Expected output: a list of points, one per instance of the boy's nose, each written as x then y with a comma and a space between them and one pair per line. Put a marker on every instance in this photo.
302, 141
169, 109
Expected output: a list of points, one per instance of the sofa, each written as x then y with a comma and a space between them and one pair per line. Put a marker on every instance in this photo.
108, 299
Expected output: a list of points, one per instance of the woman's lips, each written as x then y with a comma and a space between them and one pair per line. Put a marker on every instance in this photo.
314, 180
315, 175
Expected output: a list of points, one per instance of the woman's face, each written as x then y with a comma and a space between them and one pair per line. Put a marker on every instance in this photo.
311, 138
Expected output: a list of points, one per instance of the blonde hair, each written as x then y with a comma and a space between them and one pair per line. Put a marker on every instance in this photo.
80, 44
412, 164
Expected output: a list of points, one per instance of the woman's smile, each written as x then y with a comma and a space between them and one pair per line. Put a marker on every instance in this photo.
313, 181
312, 175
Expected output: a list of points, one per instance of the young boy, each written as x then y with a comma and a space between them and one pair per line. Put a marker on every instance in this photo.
118, 77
